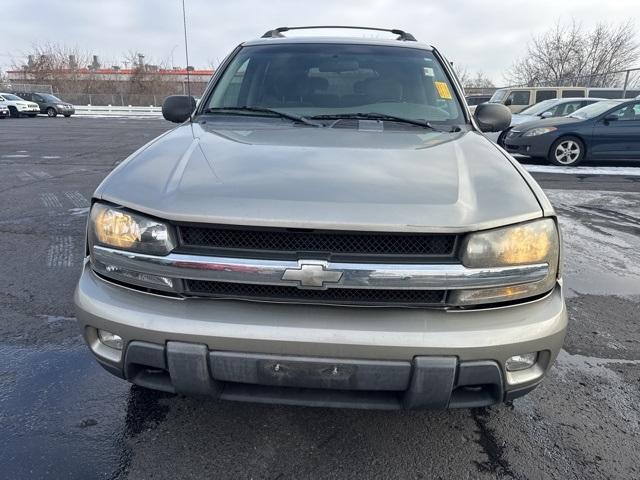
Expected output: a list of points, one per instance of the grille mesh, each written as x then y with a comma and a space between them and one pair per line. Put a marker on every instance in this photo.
325, 242
346, 296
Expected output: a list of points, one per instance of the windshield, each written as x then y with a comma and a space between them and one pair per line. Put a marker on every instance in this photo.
308, 80
539, 108
9, 96
49, 98
593, 110
498, 96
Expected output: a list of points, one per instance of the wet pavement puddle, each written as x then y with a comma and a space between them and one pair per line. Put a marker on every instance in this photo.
601, 233
62, 416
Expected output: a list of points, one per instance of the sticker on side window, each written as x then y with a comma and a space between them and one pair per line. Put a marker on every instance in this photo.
428, 72
443, 90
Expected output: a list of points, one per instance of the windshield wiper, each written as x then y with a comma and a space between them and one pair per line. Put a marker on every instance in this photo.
376, 116
278, 113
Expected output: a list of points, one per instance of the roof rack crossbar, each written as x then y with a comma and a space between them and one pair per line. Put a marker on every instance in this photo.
402, 35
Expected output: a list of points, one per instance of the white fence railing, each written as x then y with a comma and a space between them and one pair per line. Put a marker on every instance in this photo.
118, 111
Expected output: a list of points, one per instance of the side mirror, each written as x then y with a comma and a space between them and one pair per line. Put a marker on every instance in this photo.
178, 108
611, 118
492, 117
508, 102
546, 114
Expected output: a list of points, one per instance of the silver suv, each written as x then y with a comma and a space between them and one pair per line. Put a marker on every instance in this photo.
327, 227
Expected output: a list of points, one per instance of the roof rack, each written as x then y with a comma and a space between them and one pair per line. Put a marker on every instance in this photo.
402, 35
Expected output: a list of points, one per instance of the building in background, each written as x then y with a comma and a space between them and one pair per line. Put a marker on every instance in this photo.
140, 84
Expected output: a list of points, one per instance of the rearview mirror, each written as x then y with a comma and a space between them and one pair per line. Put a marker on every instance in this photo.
612, 117
492, 117
178, 108
546, 114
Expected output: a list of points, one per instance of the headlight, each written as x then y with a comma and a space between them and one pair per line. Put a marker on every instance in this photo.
59, 105
118, 228
534, 132
115, 227
529, 243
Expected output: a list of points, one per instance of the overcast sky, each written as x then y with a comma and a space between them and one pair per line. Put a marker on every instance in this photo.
482, 35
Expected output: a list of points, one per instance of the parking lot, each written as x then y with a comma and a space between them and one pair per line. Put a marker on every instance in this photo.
62, 416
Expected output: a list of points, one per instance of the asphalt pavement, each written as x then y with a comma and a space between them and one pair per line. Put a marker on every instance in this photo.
62, 416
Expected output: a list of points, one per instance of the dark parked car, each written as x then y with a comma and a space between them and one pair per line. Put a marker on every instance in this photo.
4, 111
49, 104
605, 130
554, 107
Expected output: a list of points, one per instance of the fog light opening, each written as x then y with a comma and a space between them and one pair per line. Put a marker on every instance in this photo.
110, 339
521, 362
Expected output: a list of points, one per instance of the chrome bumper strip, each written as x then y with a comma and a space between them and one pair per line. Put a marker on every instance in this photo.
321, 274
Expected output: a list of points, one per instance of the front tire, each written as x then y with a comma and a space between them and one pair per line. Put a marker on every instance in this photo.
13, 112
566, 152
51, 112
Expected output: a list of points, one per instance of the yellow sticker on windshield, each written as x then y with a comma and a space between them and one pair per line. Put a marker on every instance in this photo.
443, 90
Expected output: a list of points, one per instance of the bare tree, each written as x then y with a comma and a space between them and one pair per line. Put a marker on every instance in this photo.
567, 54
4, 82
57, 65
469, 80
147, 77
80, 77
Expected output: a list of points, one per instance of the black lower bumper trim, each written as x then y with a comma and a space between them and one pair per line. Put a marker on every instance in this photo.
520, 392
427, 382
312, 397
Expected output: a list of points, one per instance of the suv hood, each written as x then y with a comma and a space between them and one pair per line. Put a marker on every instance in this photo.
333, 178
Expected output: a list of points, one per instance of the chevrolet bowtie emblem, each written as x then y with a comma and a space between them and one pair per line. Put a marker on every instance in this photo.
311, 275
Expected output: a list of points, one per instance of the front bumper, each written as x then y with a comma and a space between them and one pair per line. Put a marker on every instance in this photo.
537, 146
28, 110
65, 110
329, 356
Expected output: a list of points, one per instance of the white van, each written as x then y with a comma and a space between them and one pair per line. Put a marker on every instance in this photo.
518, 98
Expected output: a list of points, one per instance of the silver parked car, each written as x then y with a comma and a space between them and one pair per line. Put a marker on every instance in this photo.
328, 227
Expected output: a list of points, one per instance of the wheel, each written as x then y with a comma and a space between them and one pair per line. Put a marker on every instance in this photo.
51, 112
566, 152
13, 112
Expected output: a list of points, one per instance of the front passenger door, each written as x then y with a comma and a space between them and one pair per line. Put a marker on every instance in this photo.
40, 101
619, 138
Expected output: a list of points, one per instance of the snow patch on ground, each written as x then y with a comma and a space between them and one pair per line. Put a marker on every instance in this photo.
625, 171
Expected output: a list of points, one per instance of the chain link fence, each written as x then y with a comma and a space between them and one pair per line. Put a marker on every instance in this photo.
120, 99
628, 79
29, 88
125, 99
